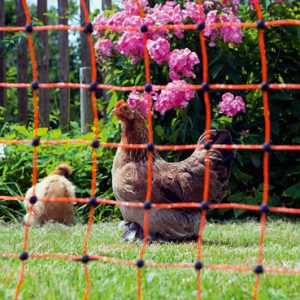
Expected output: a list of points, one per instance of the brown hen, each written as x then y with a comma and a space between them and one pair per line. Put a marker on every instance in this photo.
172, 182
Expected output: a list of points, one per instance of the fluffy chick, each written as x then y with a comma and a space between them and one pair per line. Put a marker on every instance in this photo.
56, 185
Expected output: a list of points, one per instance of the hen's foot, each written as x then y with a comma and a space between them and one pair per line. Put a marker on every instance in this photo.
131, 231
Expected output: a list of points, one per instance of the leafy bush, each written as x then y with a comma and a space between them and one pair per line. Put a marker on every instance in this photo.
235, 64
16, 168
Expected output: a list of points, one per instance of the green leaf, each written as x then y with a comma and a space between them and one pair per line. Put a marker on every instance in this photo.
22, 130
256, 160
215, 70
42, 131
241, 176
237, 197
113, 101
293, 191
238, 212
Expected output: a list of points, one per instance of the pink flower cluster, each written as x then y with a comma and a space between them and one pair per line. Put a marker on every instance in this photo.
231, 105
139, 101
163, 14
182, 61
229, 34
177, 94
130, 43
192, 11
104, 48
159, 50
219, 12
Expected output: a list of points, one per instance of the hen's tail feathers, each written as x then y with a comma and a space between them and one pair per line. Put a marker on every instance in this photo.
63, 170
221, 137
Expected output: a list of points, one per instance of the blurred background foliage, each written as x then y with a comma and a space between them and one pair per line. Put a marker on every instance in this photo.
227, 64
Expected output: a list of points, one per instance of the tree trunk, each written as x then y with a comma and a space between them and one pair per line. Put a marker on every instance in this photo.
22, 65
64, 65
2, 64
43, 64
84, 49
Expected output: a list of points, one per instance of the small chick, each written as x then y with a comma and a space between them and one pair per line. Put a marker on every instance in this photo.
56, 185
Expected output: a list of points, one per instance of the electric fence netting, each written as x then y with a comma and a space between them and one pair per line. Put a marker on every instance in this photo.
205, 205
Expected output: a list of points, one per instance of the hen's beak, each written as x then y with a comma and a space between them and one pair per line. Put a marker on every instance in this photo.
114, 111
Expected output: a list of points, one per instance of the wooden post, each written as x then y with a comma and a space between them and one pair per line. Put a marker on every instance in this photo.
86, 110
85, 56
43, 64
63, 67
22, 65
3, 101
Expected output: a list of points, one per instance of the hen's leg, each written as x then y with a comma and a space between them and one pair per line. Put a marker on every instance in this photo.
132, 232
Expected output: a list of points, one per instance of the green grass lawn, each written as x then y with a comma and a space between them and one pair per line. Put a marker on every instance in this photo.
232, 243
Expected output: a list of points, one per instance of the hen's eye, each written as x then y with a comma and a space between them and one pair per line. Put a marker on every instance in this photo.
125, 108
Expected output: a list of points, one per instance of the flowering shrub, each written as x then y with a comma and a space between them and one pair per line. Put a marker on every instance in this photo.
234, 58
181, 62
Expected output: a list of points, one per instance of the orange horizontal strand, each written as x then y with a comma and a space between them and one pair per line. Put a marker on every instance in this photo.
213, 86
161, 205
149, 264
157, 147
153, 27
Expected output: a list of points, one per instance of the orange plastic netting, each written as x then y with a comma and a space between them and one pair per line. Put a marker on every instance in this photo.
266, 147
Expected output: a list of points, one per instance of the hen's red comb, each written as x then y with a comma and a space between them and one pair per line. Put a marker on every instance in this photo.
120, 103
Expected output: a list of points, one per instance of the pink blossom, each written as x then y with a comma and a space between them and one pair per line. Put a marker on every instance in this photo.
131, 45
99, 20
213, 33
177, 94
169, 13
104, 48
133, 21
116, 19
231, 34
231, 105
131, 8
192, 10
139, 101
159, 50
182, 61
